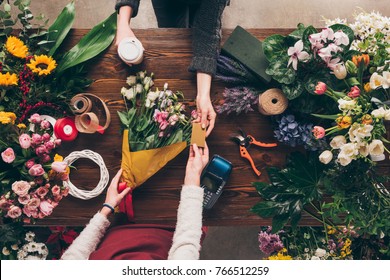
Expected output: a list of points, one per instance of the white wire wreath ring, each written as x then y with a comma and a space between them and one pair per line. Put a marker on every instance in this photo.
104, 176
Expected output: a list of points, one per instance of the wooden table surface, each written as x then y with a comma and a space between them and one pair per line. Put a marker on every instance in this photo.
168, 54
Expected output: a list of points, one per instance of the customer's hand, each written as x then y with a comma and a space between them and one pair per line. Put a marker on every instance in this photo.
113, 197
197, 160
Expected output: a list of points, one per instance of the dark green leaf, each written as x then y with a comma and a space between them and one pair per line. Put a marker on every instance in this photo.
123, 117
305, 37
91, 45
298, 33
294, 90
265, 209
274, 46
278, 222
280, 72
60, 28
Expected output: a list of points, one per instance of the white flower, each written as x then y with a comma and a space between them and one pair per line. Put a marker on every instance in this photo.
149, 103
386, 77
5, 251
340, 38
131, 80
320, 253
15, 247
29, 236
325, 157
129, 93
346, 105
349, 150
315, 258
343, 159
165, 86
379, 113
340, 71
376, 147
296, 53
377, 80
387, 115
337, 142
139, 88
152, 95
359, 131
363, 149
21, 254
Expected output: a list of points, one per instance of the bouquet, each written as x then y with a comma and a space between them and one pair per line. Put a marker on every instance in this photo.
156, 130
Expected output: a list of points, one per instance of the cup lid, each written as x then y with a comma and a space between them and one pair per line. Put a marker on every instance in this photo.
129, 50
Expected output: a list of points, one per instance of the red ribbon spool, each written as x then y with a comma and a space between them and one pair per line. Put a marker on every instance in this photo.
65, 129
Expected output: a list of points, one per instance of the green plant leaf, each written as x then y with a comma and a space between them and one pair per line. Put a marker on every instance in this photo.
123, 118
298, 33
328, 117
91, 45
265, 209
278, 222
280, 72
294, 90
274, 46
60, 28
306, 33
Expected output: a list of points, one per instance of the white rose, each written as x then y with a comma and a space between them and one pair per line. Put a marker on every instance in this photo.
131, 80
349, 149
343, 159
359, 131
379, 113
345, 105
130, 93
152, 95
376, 147
326, 157
320, 252
139, 88
363, 149
387, 115
315, 258
338, 141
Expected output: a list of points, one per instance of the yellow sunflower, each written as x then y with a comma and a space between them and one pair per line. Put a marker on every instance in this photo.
16, 47
42, 64
7, 117
8, 79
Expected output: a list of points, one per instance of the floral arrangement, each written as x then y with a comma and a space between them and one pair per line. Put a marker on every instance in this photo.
37, 81
337, 80
155, 118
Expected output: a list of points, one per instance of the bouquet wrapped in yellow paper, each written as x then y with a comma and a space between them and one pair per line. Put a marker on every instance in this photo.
156, 130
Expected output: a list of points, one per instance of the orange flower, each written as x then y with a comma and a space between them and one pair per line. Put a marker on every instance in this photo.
367, 119
344, 122
367, 87
357, 59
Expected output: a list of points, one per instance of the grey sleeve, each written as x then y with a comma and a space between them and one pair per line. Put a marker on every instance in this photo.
134, 4
207, 36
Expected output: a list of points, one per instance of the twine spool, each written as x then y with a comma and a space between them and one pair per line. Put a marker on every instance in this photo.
272, 102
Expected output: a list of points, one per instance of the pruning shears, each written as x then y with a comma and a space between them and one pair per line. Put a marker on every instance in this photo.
244, 141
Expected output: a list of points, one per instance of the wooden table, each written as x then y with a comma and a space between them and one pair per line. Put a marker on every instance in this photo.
168, 54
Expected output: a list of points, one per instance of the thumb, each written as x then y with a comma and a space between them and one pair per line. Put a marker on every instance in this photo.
124, 192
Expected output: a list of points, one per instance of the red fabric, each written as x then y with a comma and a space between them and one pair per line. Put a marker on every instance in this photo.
135, 242
126, 205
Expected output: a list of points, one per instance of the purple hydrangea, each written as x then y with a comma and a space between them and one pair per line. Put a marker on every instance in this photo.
269, 243
238, 100
293, 133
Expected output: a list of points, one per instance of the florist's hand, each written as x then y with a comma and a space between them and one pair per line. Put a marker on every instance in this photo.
123, 24
113, 197
206, 113
197, 160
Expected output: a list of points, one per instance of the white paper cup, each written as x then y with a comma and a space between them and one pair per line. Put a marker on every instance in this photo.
131, 51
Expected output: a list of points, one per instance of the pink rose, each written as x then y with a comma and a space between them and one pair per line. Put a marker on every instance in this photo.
57, 198
25, 141
46, 208
30, 163
21, 188
41, 192
36, 170
24, 199
41, 150
194, 114
57, 142
14, 212
59, 166
49, 145
65, 191
46, 137
36, 139
45, 125
4, 203
33, 203
30, 212
318, 132
56, 190
8, 155
64, 177
35, 118
45, 158
354, 92
320, 88
163, 125
38, 180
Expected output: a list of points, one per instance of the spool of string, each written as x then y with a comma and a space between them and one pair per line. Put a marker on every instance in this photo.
272, 102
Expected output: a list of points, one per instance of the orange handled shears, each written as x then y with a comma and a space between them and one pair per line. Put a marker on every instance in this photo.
245, 141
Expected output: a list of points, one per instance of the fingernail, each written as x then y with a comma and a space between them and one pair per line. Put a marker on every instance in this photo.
203, 126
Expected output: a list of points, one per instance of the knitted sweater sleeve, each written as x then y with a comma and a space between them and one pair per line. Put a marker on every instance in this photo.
207, 36
88, 239
186, 239
134, 4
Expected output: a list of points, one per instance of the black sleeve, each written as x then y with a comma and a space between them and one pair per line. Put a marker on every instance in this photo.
134, 4
207, 36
